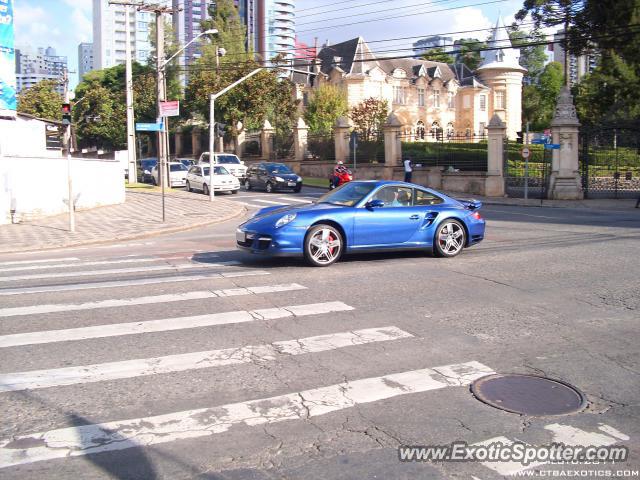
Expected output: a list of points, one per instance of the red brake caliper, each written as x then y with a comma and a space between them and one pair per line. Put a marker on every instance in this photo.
331, 248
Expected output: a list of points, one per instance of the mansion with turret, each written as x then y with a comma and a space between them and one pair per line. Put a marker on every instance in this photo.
431, 99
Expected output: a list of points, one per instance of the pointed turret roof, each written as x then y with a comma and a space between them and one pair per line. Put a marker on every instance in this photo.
502, 54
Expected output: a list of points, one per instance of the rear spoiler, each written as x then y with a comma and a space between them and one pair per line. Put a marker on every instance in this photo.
470, 204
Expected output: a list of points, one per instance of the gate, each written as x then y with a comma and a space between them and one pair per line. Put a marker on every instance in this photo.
610, 162
531, 176
452, 152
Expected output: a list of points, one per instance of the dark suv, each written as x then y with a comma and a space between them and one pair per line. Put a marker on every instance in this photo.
272, 177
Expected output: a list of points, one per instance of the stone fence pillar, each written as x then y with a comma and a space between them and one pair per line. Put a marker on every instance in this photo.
565, 182
392, 142
178, 143
196, 144
494, 183
266, 140
300, 132
341, 139
238, 147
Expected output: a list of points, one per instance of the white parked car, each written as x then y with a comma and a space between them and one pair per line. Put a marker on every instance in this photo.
198, 179
177, 174
231, 162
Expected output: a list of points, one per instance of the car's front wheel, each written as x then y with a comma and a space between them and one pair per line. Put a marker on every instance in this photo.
247, 185
188, 186
323, 245
269, 187
450, 238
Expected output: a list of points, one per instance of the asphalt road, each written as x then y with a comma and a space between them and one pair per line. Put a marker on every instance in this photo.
180, 357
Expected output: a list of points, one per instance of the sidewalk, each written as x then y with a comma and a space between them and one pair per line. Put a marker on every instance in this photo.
625, 204
140, 216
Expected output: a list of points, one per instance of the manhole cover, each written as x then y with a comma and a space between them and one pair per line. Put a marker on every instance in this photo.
528, 394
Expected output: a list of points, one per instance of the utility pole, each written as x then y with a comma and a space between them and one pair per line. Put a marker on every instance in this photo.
67, 147
158, 10
131, 132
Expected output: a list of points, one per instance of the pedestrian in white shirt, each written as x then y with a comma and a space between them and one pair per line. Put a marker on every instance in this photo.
408, 169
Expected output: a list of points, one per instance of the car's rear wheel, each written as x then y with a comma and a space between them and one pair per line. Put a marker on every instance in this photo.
450, 239
323, 245
205, 189
269, 187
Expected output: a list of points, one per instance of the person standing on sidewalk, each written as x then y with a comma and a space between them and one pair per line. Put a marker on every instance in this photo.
408, 169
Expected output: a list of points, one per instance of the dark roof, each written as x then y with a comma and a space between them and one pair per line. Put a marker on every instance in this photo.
338, 55
412, 66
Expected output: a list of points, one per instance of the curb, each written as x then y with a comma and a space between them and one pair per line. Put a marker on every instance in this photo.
182, 228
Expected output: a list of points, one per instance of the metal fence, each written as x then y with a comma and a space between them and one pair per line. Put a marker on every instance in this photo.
526, 177
610, 162
453, 152
321, 147
368, 149
252, 145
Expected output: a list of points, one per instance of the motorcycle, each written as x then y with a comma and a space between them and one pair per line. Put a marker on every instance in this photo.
340, 178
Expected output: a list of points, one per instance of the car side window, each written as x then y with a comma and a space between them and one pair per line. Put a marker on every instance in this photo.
394, 196
426, 198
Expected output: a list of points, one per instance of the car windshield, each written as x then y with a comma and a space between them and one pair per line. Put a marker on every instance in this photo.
348, 194
216, 171
177, 167
276, 169
227, 159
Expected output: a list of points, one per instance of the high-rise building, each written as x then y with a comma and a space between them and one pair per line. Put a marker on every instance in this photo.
186, 26
33, 66
85, 59
435, 41
109, 35
271, 27
579, 65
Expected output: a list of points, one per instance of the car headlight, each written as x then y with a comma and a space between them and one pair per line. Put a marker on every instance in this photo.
288, 218
278, 179
299, 179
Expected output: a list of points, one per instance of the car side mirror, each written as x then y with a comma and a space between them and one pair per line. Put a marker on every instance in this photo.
374, 204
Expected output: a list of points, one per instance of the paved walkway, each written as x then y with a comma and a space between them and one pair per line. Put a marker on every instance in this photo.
595, 203
140, 216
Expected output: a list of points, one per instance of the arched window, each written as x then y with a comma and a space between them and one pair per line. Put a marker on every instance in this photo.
436, 130
420, 131
450, 130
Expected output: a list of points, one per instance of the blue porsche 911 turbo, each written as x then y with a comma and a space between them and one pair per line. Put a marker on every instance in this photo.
365, 216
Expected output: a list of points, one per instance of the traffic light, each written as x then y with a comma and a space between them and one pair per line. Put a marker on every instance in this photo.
66, 114
220, 129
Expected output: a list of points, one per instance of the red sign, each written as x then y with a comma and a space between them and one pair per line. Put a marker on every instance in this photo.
170, 109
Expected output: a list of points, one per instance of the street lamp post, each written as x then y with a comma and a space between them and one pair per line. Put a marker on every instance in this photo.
212, 116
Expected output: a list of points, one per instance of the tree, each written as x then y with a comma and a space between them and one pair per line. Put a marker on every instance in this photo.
610, 93
438, 54
369, 116
469, 52
326, 105
538, 101
532, 57
231, 32
41, 100
100, 111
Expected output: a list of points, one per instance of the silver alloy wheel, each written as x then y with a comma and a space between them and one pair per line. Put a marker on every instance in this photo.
451, 238
325, 246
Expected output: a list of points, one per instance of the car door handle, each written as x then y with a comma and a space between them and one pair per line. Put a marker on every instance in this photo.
414, 217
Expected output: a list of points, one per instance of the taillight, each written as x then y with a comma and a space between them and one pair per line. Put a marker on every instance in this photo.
476, 215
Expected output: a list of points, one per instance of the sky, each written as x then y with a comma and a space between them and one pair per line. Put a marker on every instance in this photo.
63, 24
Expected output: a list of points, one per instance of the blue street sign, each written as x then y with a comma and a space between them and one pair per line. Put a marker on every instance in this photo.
552, 146
149, 127
539, 141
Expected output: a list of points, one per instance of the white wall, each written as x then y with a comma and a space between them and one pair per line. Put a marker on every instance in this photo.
24, 137
37, 186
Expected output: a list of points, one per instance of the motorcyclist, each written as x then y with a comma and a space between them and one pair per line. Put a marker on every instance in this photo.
338, 170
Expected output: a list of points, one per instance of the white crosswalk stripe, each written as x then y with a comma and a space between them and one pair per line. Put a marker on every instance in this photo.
201, 422
270, 202
93, 273
130, 283
193, 361
88, 264
295, 200
168, 324
45, 260
148, 300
